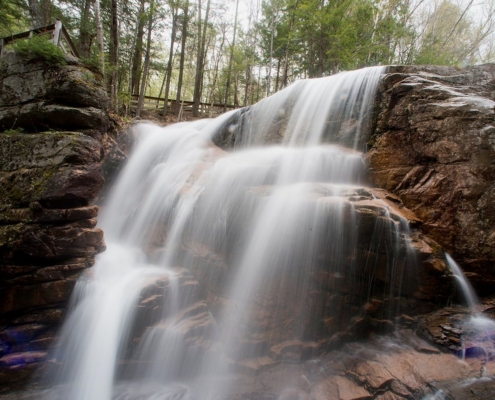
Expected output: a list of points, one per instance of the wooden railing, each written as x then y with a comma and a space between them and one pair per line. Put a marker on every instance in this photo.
59, 37
157, 103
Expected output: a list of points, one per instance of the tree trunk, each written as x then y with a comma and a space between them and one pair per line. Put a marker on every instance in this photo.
130, 63
277, 80
268, 80
170, 60
35, 12
200, 64
215, 76
248, 99
247, 86
227, 87
182, 57
114, 55
140, 105
46, 12
198, 67
287, 48
236, 87
85, 36
138, 54
99, 35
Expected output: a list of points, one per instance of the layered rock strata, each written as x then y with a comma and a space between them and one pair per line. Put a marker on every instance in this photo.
48, 180
37, 97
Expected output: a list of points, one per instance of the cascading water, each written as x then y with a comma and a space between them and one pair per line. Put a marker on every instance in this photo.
466, 288
480, 328
271, 233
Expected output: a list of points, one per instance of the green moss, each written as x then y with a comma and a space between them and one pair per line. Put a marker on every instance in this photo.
13, 131
40, 183
9, 234
40, 47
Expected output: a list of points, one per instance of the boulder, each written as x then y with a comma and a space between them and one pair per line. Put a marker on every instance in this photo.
35, 96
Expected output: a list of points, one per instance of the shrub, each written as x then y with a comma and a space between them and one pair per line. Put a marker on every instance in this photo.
41, 47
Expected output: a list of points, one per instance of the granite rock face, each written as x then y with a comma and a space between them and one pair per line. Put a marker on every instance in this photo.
36, 97
434, 147
48, 233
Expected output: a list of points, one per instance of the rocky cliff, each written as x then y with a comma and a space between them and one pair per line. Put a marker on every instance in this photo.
51, 123
434, 147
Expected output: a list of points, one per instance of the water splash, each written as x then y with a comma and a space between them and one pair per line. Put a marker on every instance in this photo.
479, 331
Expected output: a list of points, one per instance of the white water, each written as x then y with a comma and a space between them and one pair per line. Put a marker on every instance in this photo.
478, 329
255, 223
466, 288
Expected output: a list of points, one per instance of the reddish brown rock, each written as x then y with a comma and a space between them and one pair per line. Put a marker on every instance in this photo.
434, 148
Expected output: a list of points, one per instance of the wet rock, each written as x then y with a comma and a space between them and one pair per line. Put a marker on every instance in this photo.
51, 168
338, 387
387, 367
434, 147
22, 358
48, 233
465, 332
293, 319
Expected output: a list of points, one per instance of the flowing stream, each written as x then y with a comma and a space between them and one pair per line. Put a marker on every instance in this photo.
216, 259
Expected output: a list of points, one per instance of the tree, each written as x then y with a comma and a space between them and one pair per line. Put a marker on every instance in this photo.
99, 36
85, 31
227, 86
114, 55
200, 60
13, 17
40, 11
175, 11
436, 46
146, 60
138, 52
185, 21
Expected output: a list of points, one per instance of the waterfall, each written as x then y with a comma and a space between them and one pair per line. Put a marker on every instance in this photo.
477, 329
466, 288
223, 262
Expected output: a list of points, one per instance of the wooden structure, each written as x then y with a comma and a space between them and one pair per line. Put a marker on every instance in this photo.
58, 36
157, 103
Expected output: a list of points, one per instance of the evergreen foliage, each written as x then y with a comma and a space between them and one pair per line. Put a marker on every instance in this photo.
192, 54
41, 48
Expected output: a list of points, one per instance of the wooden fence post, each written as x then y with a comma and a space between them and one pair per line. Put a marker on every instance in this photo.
56, 32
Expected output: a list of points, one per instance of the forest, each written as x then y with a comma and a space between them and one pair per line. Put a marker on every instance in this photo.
235, 52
